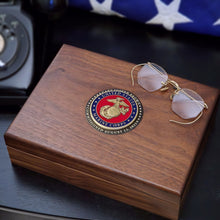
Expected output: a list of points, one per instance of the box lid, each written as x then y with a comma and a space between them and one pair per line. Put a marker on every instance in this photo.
154, 158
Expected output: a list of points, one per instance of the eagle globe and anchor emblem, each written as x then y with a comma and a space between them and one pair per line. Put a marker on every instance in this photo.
108, 111
114, 111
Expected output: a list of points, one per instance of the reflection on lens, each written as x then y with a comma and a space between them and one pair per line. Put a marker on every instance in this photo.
187, 104
159, 68
150, 78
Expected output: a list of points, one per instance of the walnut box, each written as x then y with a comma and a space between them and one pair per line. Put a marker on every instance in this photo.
149, 167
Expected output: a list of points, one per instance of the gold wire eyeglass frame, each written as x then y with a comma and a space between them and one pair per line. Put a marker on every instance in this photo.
176, 87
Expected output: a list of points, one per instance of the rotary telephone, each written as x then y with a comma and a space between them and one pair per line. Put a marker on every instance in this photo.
17, 54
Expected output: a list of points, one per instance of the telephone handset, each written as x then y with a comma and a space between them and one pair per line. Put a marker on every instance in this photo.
17, 45
14, 44
16, 53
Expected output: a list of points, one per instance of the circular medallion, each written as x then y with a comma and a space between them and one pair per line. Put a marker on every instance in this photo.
114, 111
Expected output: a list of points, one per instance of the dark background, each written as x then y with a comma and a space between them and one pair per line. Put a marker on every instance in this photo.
192, 56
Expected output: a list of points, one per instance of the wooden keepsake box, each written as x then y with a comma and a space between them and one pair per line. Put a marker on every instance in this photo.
149, 167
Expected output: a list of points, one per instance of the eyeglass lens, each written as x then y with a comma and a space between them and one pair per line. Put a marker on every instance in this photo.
187, 104
151, 77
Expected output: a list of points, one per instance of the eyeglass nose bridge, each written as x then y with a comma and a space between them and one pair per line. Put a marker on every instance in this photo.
171, 82
174, 84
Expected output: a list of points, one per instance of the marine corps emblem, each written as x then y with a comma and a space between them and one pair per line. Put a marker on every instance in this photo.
108, 111
114, 111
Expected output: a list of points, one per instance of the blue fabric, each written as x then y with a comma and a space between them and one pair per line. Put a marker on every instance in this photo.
200, 16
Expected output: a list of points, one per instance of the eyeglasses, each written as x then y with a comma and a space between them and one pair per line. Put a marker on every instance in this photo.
186, 103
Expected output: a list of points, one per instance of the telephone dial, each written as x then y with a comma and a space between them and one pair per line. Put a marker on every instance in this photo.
17, 46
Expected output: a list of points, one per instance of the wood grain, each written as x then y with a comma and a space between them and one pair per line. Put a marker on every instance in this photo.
93, 183
155, 159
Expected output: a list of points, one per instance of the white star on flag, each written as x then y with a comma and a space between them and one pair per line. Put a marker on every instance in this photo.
168, 15
104, 8
217, 22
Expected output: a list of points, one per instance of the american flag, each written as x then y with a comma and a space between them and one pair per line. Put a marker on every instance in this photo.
200, 16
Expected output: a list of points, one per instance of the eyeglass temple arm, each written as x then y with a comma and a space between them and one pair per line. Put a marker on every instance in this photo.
132, 72
190, 122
